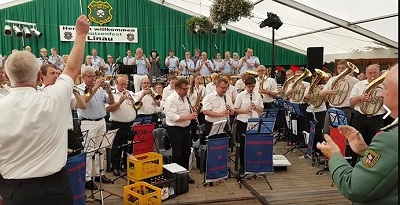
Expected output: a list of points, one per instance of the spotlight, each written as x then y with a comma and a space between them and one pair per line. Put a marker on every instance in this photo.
7, 30
27, 33
36, 32
223, 29
215, 29
272, 21
17, 31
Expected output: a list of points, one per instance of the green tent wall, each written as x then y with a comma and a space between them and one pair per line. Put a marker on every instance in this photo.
159, 28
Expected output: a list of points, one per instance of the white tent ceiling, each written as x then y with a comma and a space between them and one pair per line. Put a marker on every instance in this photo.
295, 22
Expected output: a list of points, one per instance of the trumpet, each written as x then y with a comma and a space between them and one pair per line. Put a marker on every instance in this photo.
87, 91
154, 95
131, 101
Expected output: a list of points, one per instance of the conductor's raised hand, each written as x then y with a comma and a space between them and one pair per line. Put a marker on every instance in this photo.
328, 147
356, 141
82, 25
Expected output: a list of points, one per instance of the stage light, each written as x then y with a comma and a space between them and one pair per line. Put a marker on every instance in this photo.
7, 30
27, 33
215, 29
223, 29
272, 21
36, 32
17, 31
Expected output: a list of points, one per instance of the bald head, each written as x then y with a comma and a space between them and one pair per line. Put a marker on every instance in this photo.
372, 72
122, 84
390, 95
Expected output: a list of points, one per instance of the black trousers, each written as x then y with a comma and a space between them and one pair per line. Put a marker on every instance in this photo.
194, 127
267, 105
154, 116
241, 128
53, 189
368, 127
318, 136
181, 144
122, 136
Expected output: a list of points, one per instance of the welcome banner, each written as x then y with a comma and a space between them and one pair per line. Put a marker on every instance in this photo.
102, 34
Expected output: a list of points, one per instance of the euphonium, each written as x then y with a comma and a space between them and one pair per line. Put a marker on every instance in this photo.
341, 86
131, 101
285, 85
316, 100
251, 73
298, 94
154, 95
371, 108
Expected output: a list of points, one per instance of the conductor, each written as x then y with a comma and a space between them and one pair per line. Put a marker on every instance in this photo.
33, 129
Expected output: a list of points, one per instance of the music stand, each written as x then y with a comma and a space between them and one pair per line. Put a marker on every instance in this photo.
336, 117
258, 149
128, 69
75, 143
93, 146
282, 130
294, 112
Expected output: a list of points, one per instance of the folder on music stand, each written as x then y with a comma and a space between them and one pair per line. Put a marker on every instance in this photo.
271, 113
101, 141
217, 128
337, 117
127, 69
260, 125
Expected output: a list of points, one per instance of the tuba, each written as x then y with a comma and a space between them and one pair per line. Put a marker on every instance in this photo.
131, 101
341, 86
285, 85
315, 100
298, 94
371, 108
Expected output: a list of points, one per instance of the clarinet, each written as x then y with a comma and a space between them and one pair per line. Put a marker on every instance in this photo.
227, 118
251, 100
191, 110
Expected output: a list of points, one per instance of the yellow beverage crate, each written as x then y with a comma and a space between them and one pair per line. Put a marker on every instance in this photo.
142, 193
143, 166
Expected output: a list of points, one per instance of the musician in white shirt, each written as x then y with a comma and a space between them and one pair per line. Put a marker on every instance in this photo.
239, 84
345, 105
43, 59
42, 126
204, 66
55, 59
231, 91
367, 125
178, 116
211, 87
143, 66
186, 66
229, 64
150, 106
128, 59
167, 91
218, 63
98, 62
122, 114
270, 87
248, 104
172, 62
248, 62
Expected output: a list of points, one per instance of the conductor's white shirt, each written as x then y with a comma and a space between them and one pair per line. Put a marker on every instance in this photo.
174, 108
33, 130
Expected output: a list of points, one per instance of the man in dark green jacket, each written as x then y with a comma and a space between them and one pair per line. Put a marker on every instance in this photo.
374, 179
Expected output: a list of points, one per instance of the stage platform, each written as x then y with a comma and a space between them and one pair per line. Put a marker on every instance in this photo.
298, 184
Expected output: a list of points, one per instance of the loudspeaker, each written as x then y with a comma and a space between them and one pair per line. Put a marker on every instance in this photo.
315, 58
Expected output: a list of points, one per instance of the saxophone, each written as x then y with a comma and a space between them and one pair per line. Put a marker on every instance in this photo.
298, 95
341, 86
316, 100
198, 105
371, 108
262, 80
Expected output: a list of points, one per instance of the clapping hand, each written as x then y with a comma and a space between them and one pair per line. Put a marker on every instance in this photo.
328, 147
356, 141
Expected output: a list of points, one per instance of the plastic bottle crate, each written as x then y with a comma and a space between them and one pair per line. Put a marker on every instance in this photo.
142, 193
143, 166
165, 183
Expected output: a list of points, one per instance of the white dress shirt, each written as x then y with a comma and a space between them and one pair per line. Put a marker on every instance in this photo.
167, 91
231, 92
351, 80
239, 85
149, 105
310, 107
196, 91
4, 91
243, 102
218, 64
204, 70
97, 62
128, 60
33, 130
210, 87
186, 65
269, 85
216, 103
252, 60
290, 87
125, 112
173, 63
359, 88
174, 108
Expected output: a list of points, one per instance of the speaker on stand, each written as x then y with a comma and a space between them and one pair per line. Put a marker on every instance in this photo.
315, 58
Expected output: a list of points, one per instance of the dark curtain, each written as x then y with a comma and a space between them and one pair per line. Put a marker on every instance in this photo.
158, 27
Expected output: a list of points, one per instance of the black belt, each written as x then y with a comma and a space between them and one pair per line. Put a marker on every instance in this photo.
339, 108
369, 116
52, 177
126, 123
84, 119
177, 127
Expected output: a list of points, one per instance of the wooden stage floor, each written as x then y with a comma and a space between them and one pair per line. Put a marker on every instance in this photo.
299, 184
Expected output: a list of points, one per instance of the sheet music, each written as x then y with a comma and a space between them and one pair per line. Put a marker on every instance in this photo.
218, 127
100, 142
